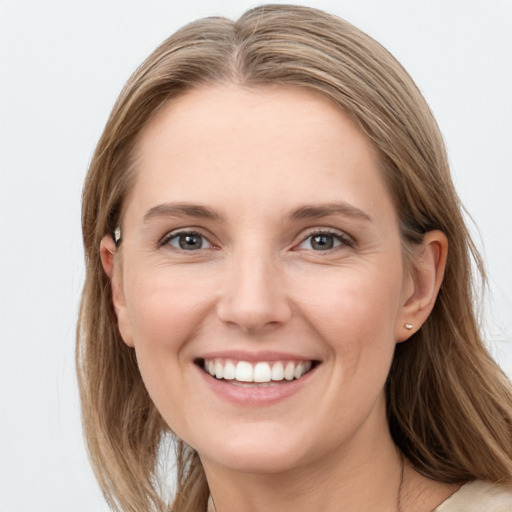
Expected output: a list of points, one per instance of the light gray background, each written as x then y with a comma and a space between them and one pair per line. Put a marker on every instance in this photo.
62, 63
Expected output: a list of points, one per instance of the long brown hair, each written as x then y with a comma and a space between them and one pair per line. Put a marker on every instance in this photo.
449, 405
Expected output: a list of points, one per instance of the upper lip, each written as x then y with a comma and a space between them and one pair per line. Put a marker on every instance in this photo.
264, 355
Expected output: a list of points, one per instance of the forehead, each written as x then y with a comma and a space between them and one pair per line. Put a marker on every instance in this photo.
273, 113
218, 143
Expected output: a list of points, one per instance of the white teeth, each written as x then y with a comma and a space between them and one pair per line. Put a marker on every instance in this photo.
262, 373
244, 372
219, 373
229, 370
277, 371
288, 371
298, 370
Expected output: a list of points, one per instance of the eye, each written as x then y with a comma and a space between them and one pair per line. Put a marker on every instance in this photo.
187, 241
324, 241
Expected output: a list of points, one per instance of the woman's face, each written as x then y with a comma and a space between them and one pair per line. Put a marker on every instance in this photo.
259, 243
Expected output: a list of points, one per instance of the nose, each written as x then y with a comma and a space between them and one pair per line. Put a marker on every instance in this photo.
253, 295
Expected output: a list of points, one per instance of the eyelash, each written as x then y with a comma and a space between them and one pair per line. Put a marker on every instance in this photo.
343, 240
184, 233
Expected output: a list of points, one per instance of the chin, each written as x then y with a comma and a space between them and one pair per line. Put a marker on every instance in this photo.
263, 452
255, 461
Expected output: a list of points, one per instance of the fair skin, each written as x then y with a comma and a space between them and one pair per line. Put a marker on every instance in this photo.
259, 230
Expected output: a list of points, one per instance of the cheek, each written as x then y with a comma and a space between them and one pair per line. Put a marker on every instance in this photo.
165, 315
355, 313
165, 307
365, 301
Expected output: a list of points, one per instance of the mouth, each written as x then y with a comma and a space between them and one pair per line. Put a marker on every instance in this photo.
257, 373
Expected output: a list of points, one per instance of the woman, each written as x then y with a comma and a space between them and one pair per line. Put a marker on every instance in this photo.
279, 278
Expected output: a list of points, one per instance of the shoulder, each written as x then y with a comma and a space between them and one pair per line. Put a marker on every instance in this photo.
479, 496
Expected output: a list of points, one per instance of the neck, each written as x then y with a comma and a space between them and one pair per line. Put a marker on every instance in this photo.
362, 478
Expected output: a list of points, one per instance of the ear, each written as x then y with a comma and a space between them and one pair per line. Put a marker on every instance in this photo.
109, 254
422, 284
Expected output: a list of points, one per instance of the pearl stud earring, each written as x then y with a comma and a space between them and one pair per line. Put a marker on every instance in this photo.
117, 235
408, 326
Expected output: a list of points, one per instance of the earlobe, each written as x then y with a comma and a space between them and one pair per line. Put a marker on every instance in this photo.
426, 274
108, 251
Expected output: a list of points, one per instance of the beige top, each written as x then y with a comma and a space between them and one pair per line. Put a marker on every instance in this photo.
476, 496
479, 496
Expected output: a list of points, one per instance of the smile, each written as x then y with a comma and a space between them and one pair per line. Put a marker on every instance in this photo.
250, 373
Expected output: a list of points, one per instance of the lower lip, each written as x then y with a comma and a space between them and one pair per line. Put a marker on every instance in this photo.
255, 396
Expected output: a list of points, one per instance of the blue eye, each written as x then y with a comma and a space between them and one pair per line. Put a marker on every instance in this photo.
187, 241
323, 241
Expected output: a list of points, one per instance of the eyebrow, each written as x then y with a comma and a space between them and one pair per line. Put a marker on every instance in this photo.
323, 210
312, 211
180, 209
